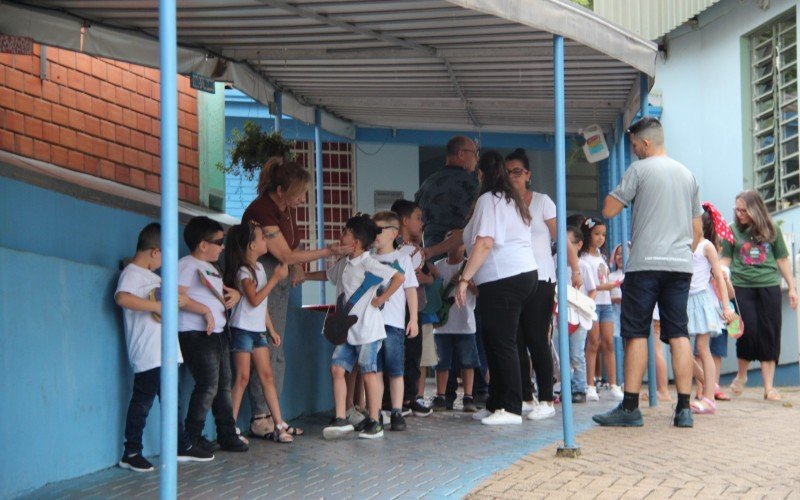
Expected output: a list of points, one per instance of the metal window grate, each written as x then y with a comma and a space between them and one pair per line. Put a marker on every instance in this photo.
773, 76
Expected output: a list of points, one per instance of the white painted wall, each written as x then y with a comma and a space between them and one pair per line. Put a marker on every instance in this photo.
391, 167
701, 86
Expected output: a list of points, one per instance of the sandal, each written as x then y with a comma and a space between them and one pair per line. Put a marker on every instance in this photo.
720, 396
241, 438
703, 406
262, 426
772, 395
737, 386
282, 434
294, 431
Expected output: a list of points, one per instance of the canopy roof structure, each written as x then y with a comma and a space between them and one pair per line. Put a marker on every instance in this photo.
427, 64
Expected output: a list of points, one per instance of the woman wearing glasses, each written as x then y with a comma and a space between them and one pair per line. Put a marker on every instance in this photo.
534, 343
282, 187
757, 260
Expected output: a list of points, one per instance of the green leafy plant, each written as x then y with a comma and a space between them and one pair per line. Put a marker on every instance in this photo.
252, 147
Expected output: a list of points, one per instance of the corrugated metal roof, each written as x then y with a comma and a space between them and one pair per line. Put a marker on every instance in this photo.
459, 64
651, 19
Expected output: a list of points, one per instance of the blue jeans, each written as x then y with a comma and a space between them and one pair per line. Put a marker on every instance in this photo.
246, 341
462, 345
577, 358
365, 355
642, 290
146, 386
480, 386
208, 359
391, 357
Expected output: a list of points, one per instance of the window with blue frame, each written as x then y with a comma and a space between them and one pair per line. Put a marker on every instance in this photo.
773, 76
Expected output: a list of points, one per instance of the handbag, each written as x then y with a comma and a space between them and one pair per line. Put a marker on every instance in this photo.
735, 326
443, 312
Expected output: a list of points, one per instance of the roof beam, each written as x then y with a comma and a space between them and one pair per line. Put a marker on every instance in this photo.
448, 103
401, 42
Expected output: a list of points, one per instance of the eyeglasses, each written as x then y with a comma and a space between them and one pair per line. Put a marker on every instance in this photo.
473, 151
740, 210
515, 172
388, 227
218, 242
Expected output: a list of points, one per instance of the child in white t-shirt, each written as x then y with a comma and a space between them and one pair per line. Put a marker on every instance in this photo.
365, 337
138, 293
602, 332
250, 321
577, 339
391, 358
456, 337
204, 343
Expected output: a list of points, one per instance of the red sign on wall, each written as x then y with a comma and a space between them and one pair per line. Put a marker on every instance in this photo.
12, 44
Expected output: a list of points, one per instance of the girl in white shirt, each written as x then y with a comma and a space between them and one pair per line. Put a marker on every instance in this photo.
502, 265
250, 321
602, 332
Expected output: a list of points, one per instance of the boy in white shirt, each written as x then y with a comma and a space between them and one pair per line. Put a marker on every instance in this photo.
137, 294
365, 337
456, 337
204, 343
391, 357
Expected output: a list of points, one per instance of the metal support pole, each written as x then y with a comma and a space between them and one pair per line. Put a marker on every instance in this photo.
278, 111
569, 449
652, 344
169, 249
319, 196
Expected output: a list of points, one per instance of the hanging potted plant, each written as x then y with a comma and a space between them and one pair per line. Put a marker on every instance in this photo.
252, 148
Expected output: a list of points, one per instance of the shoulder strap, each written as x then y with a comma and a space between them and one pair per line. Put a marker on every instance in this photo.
450, 285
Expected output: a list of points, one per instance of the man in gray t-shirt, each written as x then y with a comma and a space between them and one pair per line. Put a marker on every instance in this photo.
665, 230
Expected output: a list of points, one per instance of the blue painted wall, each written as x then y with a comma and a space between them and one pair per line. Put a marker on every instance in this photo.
64, 373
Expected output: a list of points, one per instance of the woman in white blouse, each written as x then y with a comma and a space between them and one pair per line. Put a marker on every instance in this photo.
534, 343
502, 265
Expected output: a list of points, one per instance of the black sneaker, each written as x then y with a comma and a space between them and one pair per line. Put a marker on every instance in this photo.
232, 443
619, 417
361, 425
338, 427
579, 397
683, 418
480, 400
468, 405
195, 454
136, 463
439, 404
418, 408
398, 422
205, 444
450, 400
373, 430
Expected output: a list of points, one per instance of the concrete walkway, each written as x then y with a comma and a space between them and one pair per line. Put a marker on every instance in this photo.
444, 455
749, 449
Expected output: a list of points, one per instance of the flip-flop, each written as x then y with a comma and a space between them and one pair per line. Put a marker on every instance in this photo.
737, 386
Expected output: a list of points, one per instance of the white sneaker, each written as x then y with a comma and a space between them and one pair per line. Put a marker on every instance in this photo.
529, 407
502, 417
542, 411
481, 414
591, 394
354, 417
616, 393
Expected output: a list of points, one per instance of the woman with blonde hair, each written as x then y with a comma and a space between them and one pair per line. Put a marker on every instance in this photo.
757, 260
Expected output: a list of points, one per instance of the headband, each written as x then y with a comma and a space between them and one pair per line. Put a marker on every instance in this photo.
720, 225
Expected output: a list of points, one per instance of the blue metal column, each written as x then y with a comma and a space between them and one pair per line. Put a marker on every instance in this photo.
569, 448
319, 196
169, 249
278, 111
652, 344
613, 165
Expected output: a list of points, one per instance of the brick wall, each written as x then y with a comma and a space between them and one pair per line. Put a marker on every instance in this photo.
97, 116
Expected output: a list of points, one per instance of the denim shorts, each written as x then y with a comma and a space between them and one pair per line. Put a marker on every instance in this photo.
717, 345
393, 353
246, 341
462, 345
605, 313
366, 355
642, 290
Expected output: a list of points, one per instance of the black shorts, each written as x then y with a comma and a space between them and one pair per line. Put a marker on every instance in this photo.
642, 290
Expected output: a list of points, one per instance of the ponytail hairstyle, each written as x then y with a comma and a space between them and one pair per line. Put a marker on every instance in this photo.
495, 180
586, 230
709, 232
237, 241
287, 175
761, 227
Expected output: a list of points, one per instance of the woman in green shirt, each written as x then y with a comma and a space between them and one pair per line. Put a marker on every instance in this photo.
757, 259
